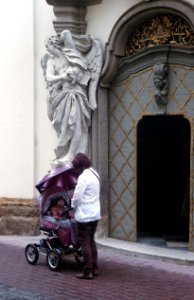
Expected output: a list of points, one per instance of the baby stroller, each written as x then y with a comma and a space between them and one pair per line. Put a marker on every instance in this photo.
56, 189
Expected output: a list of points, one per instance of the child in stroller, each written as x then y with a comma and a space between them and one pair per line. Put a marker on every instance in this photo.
60, 229
56, 216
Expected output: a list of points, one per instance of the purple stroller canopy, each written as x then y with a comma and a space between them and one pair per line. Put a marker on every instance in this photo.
64, 177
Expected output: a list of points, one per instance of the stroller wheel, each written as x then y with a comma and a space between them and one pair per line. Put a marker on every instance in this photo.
31, 254
53, 259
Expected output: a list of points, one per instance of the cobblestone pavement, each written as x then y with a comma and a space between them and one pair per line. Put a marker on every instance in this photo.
122, 276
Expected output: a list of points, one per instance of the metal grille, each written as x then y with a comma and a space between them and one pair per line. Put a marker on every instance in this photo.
129, 101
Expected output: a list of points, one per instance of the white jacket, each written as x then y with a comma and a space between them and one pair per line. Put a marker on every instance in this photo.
86, 198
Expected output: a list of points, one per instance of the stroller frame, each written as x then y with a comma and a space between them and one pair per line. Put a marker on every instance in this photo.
53, 249
60, 180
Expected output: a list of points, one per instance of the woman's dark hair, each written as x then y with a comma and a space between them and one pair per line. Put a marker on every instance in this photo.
81, 162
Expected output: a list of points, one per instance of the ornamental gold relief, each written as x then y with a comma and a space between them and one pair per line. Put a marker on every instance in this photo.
160, 30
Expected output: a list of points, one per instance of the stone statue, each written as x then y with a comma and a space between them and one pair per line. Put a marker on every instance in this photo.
71, 67
161, 83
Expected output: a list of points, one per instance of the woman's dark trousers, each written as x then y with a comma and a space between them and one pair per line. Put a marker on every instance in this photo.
86, 232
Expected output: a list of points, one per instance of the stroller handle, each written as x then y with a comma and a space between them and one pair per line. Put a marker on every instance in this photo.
67, 210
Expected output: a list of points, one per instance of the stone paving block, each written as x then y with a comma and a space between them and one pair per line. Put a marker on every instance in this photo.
122, 276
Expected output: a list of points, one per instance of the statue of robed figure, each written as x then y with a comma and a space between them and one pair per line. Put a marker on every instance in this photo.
71, 67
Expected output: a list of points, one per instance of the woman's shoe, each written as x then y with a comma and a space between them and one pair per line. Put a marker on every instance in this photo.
84, 276
95, 272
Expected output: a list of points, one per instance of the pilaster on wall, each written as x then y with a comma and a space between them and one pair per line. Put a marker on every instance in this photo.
71, 18
70, 14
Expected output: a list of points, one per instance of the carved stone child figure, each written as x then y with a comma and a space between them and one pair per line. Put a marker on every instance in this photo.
161, 83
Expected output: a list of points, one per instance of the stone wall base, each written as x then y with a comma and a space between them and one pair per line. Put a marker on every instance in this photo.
18, 217
102, 229
21, 217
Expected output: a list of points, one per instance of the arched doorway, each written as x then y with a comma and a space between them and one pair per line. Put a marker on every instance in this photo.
163, 173
129, 75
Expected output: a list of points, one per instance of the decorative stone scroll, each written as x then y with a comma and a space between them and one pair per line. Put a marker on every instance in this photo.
70, 14
73, 2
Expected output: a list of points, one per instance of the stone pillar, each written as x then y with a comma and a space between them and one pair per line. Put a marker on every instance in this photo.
70, 14
71, 18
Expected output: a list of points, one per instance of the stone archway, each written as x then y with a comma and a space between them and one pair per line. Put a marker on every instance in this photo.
126, 24
131, 96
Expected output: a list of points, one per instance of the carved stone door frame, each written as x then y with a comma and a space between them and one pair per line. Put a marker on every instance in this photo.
116, 66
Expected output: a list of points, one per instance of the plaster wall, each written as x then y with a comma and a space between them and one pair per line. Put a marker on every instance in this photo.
98, 14
27, 139
17, 99
45, 136
26, 136
101, 18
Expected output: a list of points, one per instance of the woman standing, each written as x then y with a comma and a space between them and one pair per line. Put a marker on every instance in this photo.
86, 203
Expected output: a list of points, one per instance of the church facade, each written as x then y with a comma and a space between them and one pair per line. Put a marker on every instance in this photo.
141, 136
